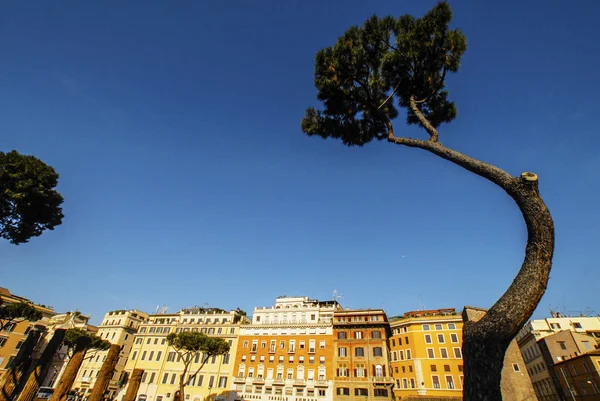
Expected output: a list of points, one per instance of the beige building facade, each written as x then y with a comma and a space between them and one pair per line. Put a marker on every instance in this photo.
536, 365
117, 327
162, 366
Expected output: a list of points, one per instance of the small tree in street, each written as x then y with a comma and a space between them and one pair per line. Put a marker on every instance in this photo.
17, 312
79, 342
29, 203
190, 345
402, 62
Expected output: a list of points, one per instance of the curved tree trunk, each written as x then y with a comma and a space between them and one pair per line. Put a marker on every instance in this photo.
133, 384
68, 377
485, 341
35, 376
106, 372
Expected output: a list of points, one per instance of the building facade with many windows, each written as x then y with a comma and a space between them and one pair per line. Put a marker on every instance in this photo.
426, 354
529, 343
117, 327
162, 366
286, 353
362, 368
13, 334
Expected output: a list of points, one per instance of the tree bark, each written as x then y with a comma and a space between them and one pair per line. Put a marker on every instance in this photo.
11, 379
68, 377
35, 376
485, 341
133, 384
105, 374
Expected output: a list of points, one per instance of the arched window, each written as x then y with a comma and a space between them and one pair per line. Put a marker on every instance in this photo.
378, 371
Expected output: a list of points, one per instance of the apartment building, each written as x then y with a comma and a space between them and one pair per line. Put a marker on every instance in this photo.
163, 367
69, 320
537, 364
117, 327
362, 368
13, 334
286, 353
426, 355
579, 377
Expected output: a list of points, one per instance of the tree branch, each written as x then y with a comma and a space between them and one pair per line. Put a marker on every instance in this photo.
389, 97
433, 134
485, 170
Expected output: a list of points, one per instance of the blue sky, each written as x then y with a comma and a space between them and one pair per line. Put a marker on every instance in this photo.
175, 128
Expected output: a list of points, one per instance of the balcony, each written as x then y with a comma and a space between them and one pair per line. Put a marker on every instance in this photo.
291, 350
321, 383
278, 382
258, 380
382, 379
299, 382
239, 379
85, 380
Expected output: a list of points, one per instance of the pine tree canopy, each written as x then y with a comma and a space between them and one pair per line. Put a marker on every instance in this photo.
388, 62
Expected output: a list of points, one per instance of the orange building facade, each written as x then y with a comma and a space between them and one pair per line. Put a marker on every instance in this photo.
362, 369
286, 353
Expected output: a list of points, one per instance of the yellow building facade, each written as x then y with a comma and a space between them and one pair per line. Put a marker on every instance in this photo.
286, 354
117, 327
426, 355
162, 366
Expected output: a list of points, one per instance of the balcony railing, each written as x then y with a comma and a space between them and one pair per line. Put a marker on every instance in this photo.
278, 382
383, 379
239, 379
299, 382
258, 380
321, 383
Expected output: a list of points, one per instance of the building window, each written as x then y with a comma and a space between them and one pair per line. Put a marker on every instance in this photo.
451, 326
322, 344
554, 326
380, 392
428, 339
322, 360
133, 355
342, 391
516, 367
454, 337
364, 392
377, 351
143, 355
438, 326
577, 325
171, 357
341, 335
426, 327
359, 351
433, 368
436, 381
358, 335
449, 382
342, 352
376, 334
408, 356
562, 345
444, 352
457, 353
441, 339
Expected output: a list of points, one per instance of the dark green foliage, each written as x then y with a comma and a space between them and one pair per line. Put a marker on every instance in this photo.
191, 343
29, 203
386, 61
83, 339
16, 312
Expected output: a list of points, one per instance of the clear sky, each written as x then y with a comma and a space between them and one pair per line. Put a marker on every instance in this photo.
175, 128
